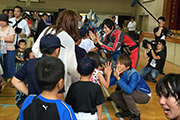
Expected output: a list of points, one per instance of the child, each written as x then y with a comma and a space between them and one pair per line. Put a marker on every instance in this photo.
49, 72
20, 97
86, 42
28, 54
168, 90
85, 97
20, 54
97, 76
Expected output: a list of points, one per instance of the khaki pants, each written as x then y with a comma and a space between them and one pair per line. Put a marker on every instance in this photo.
128, 101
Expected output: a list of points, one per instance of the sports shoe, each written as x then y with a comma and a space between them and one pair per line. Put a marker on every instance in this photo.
134, 117
124, 113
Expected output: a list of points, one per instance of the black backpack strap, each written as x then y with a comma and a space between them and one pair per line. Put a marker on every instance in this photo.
17, 22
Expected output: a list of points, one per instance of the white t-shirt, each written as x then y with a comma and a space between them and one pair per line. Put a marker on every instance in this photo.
23, 25
87, 44
131, 26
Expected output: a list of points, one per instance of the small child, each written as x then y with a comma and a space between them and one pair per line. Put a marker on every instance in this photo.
97, 76
20, 54
49, 73
20, 97
85, 97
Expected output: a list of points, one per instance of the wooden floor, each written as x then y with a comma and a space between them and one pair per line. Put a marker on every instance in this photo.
150, 111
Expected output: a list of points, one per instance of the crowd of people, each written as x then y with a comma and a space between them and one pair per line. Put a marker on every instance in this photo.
69, 61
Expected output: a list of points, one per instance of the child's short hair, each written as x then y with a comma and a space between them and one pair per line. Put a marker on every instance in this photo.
86, 66
27, 51
94, 56
125, 59
169, 85
22, 41
48, 72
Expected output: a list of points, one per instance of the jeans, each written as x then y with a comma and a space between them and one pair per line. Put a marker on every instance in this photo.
145, 72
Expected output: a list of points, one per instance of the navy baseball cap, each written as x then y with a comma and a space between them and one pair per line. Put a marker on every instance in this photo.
86, 66
50, 41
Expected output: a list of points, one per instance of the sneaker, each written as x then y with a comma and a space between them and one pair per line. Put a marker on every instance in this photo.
124, 113
134, 117
109, 99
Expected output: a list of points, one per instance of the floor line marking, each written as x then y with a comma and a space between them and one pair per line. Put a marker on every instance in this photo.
106, 111
6, 105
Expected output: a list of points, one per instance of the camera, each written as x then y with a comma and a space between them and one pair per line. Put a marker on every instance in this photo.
18, 30
153, 43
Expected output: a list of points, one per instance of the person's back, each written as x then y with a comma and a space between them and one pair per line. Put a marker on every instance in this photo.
85, 97
49, 72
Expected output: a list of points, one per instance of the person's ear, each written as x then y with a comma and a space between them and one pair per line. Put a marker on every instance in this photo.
57, 50
60, 84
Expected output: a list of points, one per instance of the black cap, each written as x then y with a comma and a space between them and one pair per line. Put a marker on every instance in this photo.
4, 17
50, 41
86, 66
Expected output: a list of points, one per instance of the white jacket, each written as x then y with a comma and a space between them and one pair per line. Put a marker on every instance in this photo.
67, 55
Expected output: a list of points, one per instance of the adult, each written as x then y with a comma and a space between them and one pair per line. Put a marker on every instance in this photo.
41, 25
168, 90
7, 33
115, 40
4, 11
155, 63
20, 25
10, 13
66, 28
80, 22
133, 89
162, 32
132, 27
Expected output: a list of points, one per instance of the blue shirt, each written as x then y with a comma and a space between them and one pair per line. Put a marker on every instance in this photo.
27, 70
130, 81
64, 110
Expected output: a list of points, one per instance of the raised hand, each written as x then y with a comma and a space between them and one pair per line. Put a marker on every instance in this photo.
107, 69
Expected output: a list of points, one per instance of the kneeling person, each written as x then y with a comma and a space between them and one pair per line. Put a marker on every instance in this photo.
133, 88
49, 73
155, 63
